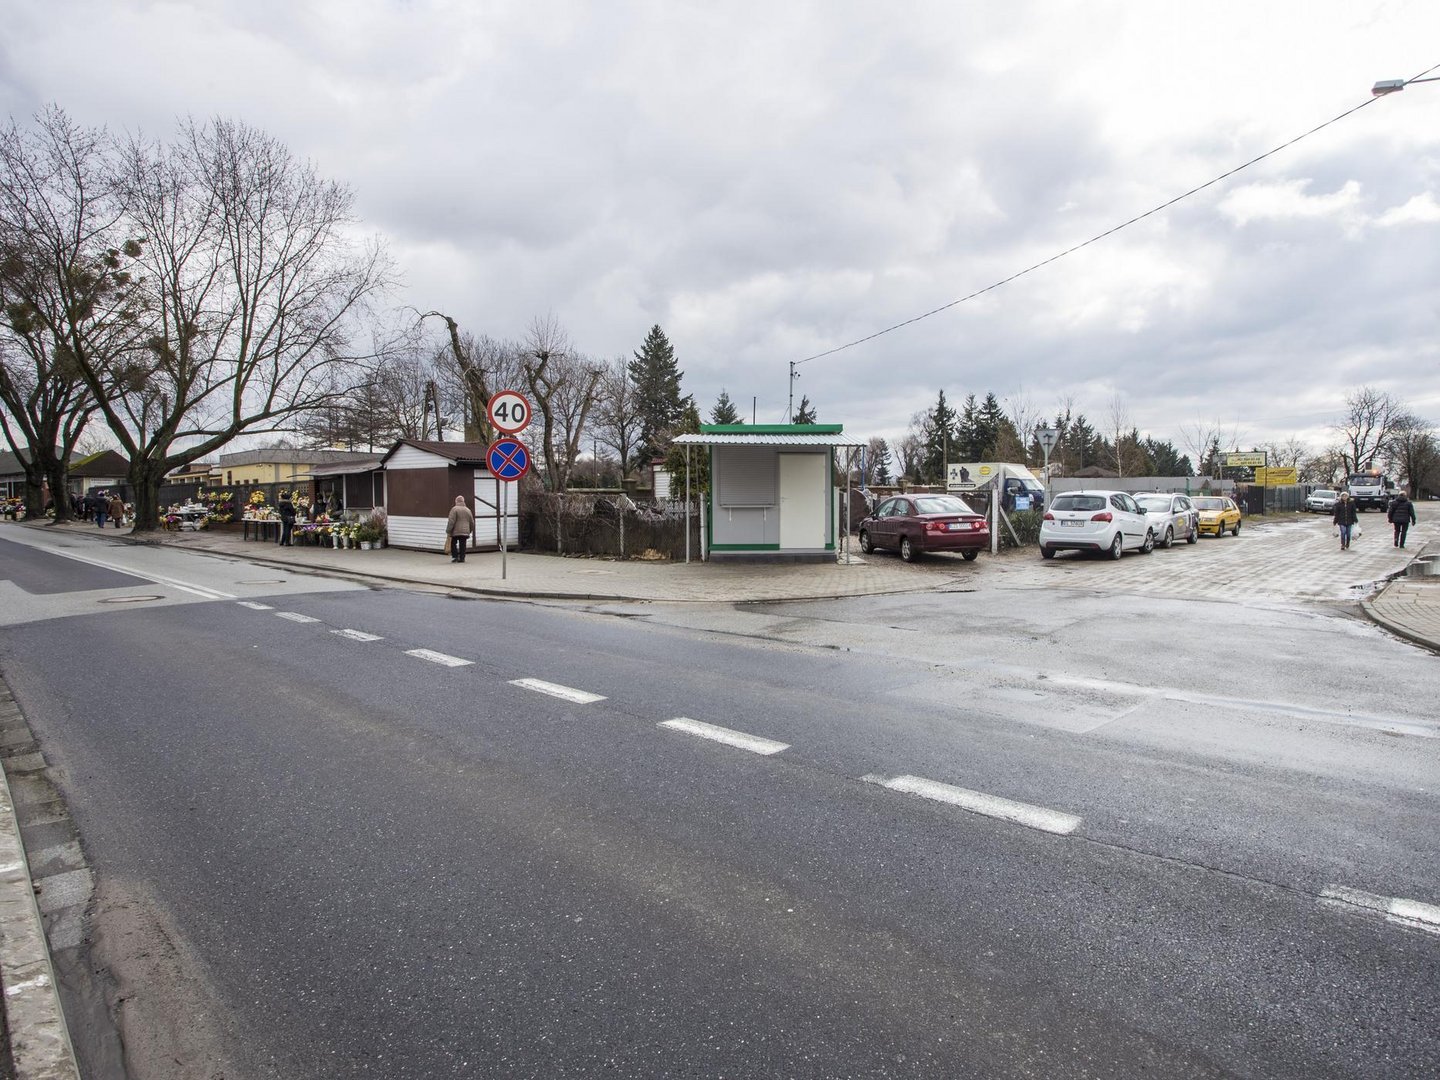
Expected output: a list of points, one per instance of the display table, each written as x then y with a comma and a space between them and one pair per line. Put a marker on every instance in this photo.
264, 528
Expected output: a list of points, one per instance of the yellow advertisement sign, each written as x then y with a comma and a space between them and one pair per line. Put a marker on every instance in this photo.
1276, 475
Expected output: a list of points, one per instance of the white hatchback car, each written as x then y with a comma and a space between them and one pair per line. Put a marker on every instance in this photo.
1172, 517
1108, 521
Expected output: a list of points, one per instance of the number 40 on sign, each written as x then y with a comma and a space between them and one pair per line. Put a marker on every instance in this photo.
509, 412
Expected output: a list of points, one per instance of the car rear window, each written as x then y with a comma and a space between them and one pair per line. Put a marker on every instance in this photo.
942, 504
1079, 502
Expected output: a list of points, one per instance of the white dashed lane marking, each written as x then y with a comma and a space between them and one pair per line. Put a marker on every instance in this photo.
977, 802
1412, 913
565, 693
438, 657
253, 606
753, 743
358, 635
295, 616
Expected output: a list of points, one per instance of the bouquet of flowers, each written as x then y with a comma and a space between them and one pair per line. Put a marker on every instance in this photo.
221, 505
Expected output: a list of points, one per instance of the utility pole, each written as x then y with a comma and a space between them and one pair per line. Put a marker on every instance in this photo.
790, 412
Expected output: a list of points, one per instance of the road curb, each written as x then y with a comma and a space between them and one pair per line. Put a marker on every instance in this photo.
39, 1039
1368, 607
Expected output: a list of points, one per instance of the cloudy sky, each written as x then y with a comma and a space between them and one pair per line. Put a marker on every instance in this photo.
768, 181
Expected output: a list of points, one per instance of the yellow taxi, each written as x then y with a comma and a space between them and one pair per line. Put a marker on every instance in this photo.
1218, 515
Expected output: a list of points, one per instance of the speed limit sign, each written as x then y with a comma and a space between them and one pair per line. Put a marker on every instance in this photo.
509, 412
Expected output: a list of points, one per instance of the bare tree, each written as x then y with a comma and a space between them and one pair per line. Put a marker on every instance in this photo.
1327, 467
1025, 416
618, 415
1285, 453
913, 445
1118, 417
395, 400
1205, 439
1414, 446
1364, 429
66, 288
563, 389
251, 285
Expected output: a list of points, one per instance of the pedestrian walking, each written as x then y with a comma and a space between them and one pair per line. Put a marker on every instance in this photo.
1402, 516
117, 510
459, 527
102, 507
1345, 517
287, 519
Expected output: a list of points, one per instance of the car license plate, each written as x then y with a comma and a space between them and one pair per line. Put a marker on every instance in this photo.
955, 526
1073, 524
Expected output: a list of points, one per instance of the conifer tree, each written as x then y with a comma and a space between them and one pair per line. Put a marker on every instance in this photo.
724, 411
805, 412
940, 441
656, 378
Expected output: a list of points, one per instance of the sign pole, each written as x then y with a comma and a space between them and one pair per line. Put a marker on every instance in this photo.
504, 521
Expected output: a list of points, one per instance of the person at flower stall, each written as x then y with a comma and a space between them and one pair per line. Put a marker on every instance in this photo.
287, 520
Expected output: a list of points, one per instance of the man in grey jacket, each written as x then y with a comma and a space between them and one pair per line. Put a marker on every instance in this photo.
459, 527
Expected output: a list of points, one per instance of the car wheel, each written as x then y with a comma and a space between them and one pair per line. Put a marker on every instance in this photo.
1149, 544
865, 544
1194, 537
907, 550
1117, 546
1047, 553
971, 555
1236, 530
1169, 537
1220, 531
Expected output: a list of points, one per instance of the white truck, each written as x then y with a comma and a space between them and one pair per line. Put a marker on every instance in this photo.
1369, 490
1020, 488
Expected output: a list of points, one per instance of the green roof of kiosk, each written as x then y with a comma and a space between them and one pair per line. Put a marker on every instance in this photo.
771, 429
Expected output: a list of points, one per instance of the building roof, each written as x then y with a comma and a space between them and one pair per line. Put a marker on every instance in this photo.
348, 468
285, 455
461, 453
106, 463
11, 465
760, 438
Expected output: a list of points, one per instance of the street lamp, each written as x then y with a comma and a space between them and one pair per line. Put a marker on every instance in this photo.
1390, 86
1046, 438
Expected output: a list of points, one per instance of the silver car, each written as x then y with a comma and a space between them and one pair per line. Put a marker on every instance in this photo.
1172, 517
1321, 501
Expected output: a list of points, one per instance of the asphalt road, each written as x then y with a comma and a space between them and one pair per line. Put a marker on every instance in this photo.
381, 864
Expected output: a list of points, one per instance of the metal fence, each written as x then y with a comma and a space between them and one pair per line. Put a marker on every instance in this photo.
597, 525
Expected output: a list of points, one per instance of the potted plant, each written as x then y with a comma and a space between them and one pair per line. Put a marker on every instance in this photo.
367, 535
380, 521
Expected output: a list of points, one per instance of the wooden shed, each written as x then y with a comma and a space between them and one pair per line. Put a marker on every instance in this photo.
422, 479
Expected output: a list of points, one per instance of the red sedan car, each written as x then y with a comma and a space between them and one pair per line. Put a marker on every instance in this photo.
913, 524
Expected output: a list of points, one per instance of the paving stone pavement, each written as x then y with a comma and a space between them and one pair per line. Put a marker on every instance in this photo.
1286, 559
1282, 560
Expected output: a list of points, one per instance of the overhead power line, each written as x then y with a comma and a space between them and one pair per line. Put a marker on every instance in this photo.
1094, 239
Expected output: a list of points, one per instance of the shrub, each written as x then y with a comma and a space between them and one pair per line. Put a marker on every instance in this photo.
1026, 524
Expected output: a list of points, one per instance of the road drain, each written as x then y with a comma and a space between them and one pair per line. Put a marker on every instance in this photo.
129, 599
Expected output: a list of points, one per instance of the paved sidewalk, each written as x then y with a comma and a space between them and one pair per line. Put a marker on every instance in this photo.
1410, 606
553, 577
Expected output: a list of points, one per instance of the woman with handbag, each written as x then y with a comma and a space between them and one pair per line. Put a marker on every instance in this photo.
1345, 518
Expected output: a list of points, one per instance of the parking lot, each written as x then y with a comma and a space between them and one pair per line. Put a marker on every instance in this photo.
1289, 558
